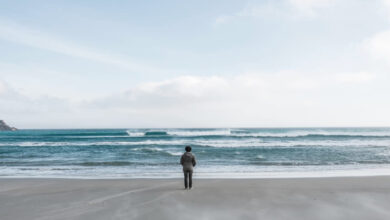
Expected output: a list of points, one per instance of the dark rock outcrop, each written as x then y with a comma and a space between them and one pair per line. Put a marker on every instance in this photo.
5, 127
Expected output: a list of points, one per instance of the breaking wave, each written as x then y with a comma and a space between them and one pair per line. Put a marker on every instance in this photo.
260, 134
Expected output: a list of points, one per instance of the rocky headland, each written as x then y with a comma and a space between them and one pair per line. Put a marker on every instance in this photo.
5, 127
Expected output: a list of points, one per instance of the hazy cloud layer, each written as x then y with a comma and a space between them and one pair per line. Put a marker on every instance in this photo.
243, 100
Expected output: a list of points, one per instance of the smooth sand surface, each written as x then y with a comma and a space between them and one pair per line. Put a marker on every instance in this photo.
301, 198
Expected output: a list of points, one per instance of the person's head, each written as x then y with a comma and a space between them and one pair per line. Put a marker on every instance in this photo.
188, 149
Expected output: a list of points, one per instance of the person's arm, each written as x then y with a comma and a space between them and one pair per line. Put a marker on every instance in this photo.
193, 161
181, 160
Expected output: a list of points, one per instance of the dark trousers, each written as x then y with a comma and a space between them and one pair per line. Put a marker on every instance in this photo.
187, 179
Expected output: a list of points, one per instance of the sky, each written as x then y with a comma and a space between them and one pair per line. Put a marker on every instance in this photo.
227, 63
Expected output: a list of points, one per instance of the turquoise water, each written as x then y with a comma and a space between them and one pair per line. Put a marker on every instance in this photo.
131, 153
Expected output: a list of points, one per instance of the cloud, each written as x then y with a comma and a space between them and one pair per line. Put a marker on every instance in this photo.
245, 89
310, 7
6, 92
23, 111
278, 9
360, 77
39, 39
264, 11
386, 3
223, 19
251, 99
379, 45
176, 91
3, 88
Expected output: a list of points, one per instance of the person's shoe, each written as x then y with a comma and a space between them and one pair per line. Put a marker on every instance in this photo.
190, 188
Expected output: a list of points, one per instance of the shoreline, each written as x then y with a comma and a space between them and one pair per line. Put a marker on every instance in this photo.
278, 198
194, 178
199, 178
368, 172
5, 179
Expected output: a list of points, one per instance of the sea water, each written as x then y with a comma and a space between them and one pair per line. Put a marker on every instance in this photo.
220, 152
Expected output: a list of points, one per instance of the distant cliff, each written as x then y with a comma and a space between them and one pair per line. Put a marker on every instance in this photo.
5, 127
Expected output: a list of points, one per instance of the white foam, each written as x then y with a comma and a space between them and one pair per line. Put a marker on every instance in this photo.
259, 156
148, 149
222, 132
173, 153
307, 133
135, 134
260, 143
98, 143
157, 149
254, 133
185, 133
215, 172
250, 142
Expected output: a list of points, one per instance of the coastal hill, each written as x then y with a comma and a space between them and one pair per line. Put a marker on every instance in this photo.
5, 127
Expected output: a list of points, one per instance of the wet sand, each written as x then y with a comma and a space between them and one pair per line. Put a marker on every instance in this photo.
292, 198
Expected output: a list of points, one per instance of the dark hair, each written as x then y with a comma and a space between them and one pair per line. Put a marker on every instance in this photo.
188, 148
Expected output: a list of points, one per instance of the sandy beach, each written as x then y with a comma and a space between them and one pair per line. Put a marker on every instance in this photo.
299, 198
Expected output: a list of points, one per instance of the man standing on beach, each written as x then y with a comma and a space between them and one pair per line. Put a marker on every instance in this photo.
188, 162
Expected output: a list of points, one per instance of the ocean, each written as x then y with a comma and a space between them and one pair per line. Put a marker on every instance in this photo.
220, 152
